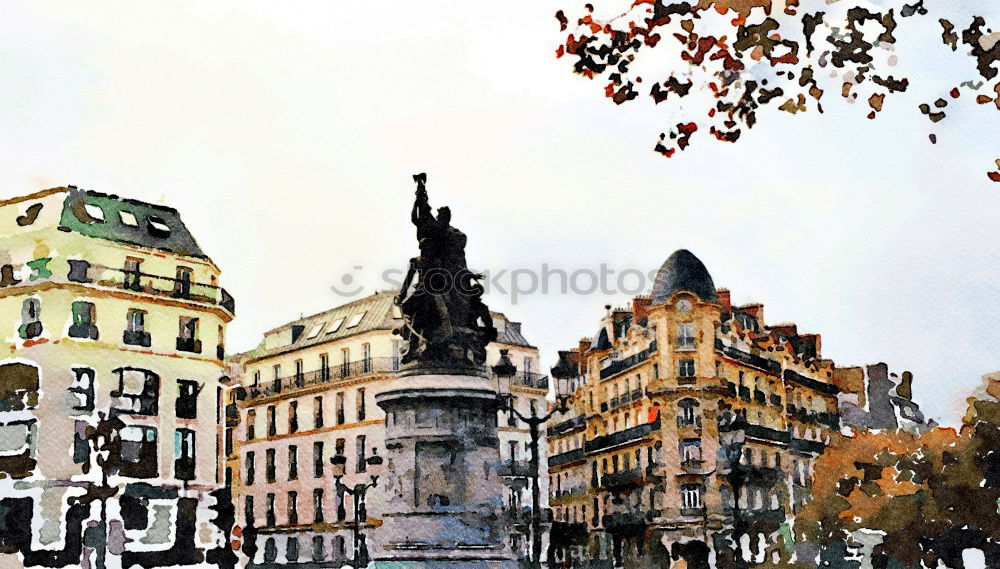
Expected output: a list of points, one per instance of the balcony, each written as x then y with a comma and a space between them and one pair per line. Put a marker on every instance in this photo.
688, 422
136, 338
815, 385
308, 379
629, 362
621, 437
189, 345
567, 426
530, 379
693, 466
775, 516
516, 469
693, 512
83, 330
566, 457
755, 431
623, 478
803, 445
83, 272
624, 521
762, 363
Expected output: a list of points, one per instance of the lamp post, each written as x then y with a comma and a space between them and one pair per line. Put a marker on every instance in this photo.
504, 370
731, 448
357, 492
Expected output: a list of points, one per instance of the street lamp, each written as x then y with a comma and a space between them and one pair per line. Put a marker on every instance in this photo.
357, 492
504, 371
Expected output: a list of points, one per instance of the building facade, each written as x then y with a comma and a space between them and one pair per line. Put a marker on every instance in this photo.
114, 321
306, 394
693, 430
872, 398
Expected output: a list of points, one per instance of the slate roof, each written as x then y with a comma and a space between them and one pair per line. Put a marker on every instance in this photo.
378, 312
156, 226
683, 271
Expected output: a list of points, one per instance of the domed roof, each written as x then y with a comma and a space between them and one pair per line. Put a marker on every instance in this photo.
683, 271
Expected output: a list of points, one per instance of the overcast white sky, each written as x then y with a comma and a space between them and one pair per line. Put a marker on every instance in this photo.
286, 135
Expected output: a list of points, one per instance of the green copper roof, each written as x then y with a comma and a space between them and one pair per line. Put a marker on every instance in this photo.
121, 220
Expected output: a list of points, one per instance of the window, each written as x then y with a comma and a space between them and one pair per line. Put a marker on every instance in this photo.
187, 335
685, 336
84, 317
270, 549
138, 392
341, 419
335, 326
362, 465
690, 450
157, 226
248, 517
251, 464
269, 469
686, 368
270, 522
31, 324
133, 274
513, 450
314, 331
318, 459
366, 358
656, 371
339, 446
184, 454
345, 362
251, 424
182, 283
293, 462
299, 374
292, 545
318, 506
361, 404
293, 508
318, 412
83, 389
688, 413
138, 459
128, 218
324, 367
318, 547
511, 417
187, 399
135, 328
691, 496
95, 212
272, 425
356, 319
293, 417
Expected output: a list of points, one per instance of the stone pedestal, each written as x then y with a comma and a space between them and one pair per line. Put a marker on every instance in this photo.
441, 491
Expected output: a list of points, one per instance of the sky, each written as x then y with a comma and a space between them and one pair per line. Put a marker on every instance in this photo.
287, 137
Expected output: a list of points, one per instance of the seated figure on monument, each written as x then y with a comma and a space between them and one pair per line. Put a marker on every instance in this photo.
445, 322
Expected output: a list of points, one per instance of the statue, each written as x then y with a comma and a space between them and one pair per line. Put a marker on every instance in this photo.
445, 322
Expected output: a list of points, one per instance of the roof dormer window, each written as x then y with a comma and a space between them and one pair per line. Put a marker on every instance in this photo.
128, 218
356, 319
157, 226
335, 326
315, 331
95, 212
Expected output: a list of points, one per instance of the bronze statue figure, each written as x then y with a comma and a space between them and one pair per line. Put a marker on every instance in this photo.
445, 322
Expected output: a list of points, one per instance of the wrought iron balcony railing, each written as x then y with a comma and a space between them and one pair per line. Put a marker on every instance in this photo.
323, 375
629, 362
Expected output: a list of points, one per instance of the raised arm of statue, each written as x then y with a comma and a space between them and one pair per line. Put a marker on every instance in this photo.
421, 208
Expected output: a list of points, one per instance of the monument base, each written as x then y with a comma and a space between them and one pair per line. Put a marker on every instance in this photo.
443, 493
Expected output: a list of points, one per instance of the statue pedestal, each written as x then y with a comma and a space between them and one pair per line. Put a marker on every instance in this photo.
442, 492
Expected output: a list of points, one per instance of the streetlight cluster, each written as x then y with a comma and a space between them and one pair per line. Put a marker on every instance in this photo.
357, 492
563, 372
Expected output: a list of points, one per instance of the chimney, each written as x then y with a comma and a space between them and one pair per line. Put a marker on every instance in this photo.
722, 294
640, 307
584, 345
905, 387
754, 309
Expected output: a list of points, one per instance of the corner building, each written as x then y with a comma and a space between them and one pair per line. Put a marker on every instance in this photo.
109, 307
693, 428
307, 393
